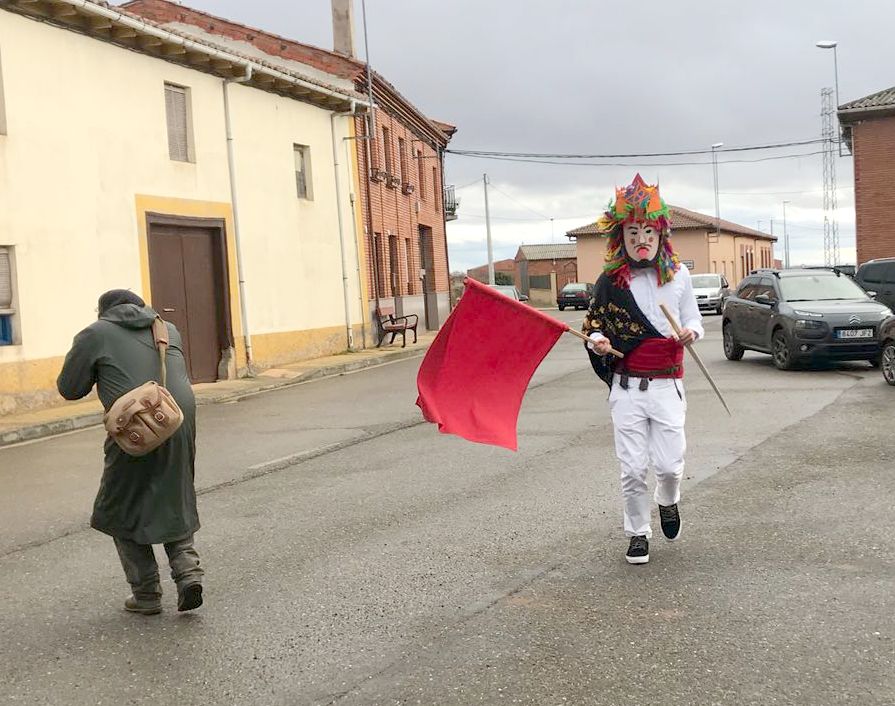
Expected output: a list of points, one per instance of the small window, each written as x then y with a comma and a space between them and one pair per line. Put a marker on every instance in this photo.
402, 160
180, 123
435, 187
8, 333
387, 150
2, 102
421, 173
302, 155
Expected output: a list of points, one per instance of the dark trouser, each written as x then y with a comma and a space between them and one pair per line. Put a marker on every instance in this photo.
141, 569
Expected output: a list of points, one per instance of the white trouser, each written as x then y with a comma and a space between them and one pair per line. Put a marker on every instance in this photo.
649, 426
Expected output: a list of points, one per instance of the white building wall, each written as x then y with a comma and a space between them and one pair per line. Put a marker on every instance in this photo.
87, 137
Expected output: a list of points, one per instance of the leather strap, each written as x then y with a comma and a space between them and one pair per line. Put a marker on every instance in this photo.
160, 336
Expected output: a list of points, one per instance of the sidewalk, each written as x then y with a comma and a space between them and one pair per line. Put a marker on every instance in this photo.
72, 416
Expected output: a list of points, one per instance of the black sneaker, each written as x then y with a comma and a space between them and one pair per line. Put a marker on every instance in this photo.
638, 550
671, 521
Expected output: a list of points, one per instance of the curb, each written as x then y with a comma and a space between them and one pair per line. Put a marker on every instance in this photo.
92, 419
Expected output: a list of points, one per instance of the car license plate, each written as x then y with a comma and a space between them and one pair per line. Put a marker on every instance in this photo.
855, 333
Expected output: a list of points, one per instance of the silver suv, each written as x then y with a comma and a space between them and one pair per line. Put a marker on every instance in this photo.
799, 316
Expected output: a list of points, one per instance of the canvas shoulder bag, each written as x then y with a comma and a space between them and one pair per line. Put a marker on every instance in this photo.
146, 417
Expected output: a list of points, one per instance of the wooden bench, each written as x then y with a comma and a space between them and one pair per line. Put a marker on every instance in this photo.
391, 324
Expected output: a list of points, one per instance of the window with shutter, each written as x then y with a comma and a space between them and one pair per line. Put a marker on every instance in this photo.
302, 156
5, 280
7, 314
177, 112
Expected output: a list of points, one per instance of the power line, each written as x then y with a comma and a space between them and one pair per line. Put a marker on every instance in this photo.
776, 193
545, 155
516, 201
639, 164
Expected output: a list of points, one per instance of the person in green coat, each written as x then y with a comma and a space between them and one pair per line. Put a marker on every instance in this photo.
151, 499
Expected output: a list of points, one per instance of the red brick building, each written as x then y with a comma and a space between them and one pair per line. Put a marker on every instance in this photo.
402, 204
480, 273
869, 130
536, 263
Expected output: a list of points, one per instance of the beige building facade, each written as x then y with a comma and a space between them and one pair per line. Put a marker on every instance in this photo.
117, 170
734, 253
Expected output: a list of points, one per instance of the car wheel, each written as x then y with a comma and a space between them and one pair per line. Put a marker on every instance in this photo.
719, 310
887, 362
780, 351
562, 308
732, 349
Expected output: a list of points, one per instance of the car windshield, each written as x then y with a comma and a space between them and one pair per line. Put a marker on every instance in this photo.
705, 281
509, 290
574, 288
819, 287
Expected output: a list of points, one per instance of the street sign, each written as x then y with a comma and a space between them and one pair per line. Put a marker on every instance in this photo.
691, 264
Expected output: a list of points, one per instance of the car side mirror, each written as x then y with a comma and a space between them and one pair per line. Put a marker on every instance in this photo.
764, 299
871, 294
523, 297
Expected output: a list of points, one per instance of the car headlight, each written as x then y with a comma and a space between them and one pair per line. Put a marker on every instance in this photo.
808, 324
807, 313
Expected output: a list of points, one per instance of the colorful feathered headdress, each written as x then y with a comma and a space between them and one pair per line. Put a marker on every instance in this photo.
638, 202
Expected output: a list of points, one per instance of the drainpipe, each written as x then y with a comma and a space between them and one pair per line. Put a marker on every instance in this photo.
360, 290
349, 332
234, 200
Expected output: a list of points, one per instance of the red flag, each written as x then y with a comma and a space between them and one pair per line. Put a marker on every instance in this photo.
475, 373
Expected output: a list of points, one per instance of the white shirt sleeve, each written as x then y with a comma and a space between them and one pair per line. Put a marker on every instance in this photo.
690, 316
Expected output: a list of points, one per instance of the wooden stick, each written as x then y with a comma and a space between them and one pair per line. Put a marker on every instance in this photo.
677, 330
590, 340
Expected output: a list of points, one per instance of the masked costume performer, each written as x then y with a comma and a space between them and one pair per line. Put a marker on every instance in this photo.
646, 396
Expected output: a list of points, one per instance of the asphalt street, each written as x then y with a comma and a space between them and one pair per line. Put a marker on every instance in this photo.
356, 556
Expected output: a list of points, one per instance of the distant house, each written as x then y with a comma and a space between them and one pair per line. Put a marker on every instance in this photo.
480, 273
868, 127
536, 266
734, 253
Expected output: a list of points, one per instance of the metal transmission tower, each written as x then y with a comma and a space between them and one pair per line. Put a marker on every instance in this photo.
830, 137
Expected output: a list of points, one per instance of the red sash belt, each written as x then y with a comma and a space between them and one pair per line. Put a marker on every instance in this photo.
655, 358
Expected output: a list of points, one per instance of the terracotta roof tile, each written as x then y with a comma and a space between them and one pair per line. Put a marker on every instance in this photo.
683, 218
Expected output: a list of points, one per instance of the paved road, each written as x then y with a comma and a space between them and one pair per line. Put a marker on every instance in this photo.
355, 556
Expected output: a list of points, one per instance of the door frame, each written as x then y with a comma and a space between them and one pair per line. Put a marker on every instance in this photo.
221, 261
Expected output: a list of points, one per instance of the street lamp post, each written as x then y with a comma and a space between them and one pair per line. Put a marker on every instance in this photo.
708, 249
785, 238
830, 44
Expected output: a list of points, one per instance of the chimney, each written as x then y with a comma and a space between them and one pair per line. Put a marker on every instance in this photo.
343, 27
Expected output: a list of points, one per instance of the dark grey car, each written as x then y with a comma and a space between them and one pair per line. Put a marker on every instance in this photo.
799, 316
877, 277
887, 347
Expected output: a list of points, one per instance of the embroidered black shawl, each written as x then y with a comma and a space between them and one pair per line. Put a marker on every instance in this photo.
614, 313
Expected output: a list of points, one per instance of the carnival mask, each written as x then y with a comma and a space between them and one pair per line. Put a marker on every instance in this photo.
641, 243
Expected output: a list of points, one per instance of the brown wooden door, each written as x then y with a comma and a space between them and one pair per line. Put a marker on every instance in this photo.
186, 272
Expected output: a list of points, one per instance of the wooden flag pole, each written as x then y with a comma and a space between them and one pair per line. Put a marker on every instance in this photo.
590, 340
677, 330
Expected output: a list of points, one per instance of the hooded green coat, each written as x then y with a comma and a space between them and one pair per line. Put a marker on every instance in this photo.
151, 499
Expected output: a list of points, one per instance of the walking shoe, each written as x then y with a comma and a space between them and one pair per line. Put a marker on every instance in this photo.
638, 550
135, 605
671, 521
190, 597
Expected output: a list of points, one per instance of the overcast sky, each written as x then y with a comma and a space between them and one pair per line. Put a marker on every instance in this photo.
581, 76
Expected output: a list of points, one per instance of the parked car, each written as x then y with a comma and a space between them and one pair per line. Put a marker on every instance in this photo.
711, 291
877, 277
510, 291
887, 348
575, 294
844, 269
802, 315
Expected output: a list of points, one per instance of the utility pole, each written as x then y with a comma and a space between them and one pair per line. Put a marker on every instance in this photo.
708, 248
828, 132
488, 232
785, 238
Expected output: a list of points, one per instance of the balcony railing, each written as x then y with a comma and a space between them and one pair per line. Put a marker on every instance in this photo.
451, 203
